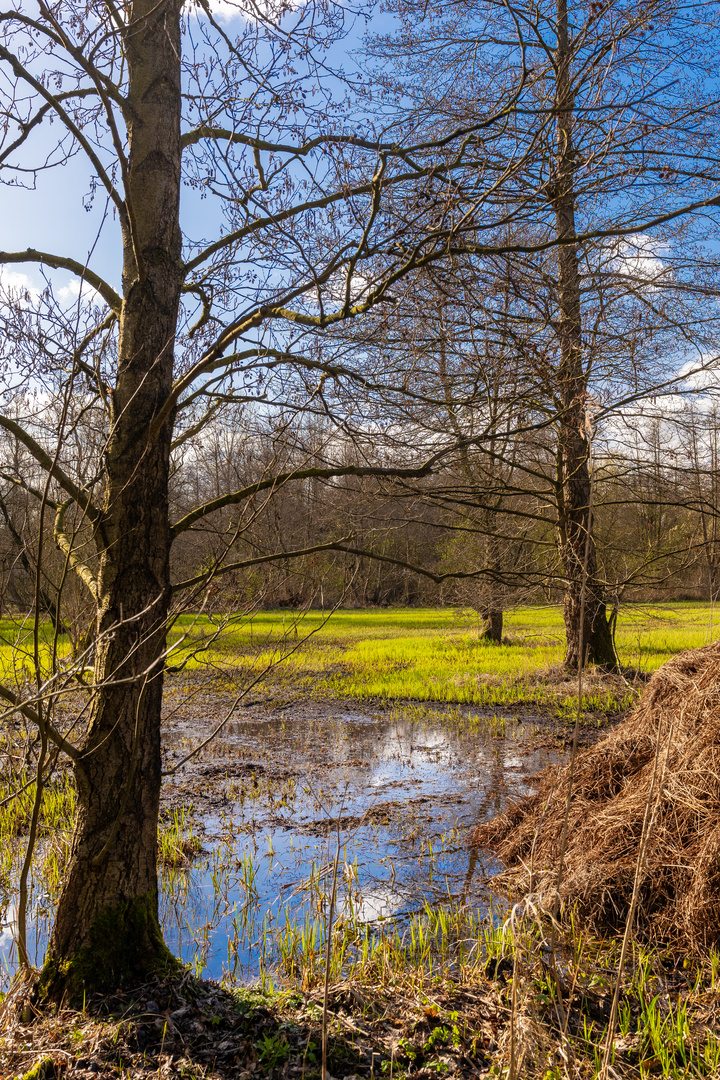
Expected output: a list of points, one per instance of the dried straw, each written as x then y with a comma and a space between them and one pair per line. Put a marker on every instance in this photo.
678, 896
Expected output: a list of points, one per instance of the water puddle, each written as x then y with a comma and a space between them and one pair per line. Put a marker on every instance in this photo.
393, 795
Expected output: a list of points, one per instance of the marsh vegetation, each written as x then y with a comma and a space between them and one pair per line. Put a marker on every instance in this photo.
326, 832
406, 308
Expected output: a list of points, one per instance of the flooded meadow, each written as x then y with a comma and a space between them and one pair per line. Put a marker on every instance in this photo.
302, 807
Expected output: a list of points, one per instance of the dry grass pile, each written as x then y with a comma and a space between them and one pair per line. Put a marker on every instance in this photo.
674, 736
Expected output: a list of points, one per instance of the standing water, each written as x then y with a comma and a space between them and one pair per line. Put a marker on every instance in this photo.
253, 828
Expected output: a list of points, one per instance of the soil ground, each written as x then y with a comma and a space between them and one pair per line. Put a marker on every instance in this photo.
193, 1028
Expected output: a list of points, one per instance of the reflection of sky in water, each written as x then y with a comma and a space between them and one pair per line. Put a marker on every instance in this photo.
39, 924
7, 928
445, 776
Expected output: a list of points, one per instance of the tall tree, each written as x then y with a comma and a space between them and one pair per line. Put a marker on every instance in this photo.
159, 103
630, 148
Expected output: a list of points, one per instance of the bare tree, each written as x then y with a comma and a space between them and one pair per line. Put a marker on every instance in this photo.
305, 235
629, 147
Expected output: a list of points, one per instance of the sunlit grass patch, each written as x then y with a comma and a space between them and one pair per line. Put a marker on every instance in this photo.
178, 843
17, 648
17, 796
57, 815
440, 655
422, 654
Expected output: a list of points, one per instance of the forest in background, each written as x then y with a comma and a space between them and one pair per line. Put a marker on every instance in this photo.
471, 535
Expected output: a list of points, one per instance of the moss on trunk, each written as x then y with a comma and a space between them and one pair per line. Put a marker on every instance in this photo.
125, 946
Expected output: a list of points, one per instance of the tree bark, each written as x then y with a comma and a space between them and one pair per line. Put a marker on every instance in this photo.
492, 608
493, 624
107, 930
575, 527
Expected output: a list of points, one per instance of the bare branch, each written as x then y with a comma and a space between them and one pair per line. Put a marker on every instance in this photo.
74, 561
235, 497
63, 262
226, 568
43, 724
43, 459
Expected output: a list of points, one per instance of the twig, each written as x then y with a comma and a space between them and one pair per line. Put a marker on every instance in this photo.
328, 949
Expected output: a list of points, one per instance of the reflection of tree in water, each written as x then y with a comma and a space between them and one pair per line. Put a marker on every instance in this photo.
493, 800
184, 908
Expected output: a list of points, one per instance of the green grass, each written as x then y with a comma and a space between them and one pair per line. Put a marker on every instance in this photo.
439, 655
17, 649
57, 812
427, 654
177, 843
665, 1024
432, 655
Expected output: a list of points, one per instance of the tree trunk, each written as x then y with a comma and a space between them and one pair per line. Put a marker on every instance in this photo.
492, 608
493, 624
575, 526
106, 929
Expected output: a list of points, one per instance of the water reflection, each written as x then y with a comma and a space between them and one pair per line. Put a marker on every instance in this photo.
398, 792
403, 792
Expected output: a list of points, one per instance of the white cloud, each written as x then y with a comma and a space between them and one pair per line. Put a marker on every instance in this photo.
226, 11
702, 374
334, 290
18, 286
663, 417
70, 293
640, 257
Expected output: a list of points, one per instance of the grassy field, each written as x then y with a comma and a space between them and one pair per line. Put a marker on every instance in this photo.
438, 654
430, 654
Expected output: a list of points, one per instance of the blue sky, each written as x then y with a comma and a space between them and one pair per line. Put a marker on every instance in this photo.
52, 216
